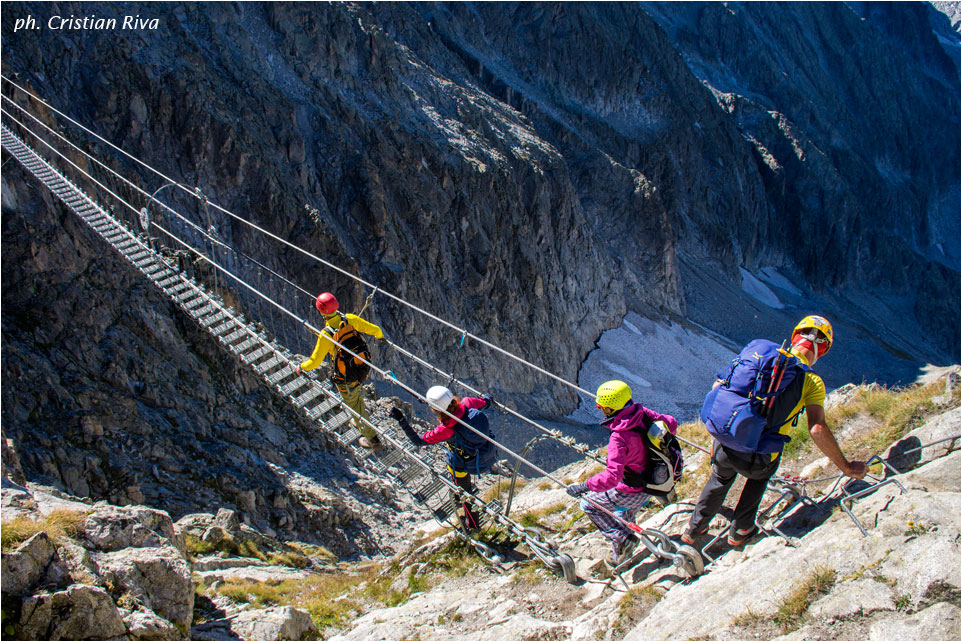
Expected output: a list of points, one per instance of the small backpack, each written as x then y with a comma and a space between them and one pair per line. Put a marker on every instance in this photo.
761, 386
665, 461
344, 365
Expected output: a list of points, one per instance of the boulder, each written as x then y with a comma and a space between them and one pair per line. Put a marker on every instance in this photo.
278, 623
159, 578
228, 520
112, 528
147, 625
34, 562
79, 612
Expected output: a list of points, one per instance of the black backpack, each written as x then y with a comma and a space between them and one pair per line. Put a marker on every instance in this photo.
345, 367
665, 462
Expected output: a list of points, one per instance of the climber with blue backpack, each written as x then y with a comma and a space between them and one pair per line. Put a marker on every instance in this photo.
468, 451
644, 460
749, 411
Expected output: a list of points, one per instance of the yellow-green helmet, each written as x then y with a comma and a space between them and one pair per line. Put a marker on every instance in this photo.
613, 394
815, 322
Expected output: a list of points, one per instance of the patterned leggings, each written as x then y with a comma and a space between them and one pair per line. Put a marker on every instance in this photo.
623, 504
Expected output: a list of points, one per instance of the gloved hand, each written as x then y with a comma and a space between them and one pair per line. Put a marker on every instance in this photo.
577, 490
398, 416
488, 400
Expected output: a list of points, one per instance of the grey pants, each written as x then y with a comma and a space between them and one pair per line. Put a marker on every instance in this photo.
726, 464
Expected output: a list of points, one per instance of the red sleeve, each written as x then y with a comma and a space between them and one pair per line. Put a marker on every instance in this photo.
438, 434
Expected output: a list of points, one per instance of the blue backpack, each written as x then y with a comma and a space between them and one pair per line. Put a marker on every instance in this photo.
746, 410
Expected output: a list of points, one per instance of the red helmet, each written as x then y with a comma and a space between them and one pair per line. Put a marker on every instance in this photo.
326, 303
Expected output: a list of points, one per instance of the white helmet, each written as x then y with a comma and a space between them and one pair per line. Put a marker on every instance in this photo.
439, 397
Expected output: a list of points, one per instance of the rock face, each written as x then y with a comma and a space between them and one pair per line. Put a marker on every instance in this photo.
461, 156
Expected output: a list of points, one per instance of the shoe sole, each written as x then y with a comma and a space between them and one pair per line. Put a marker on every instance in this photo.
738, 542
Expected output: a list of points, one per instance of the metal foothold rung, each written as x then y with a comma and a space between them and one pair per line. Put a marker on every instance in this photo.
280, 375
245, 345
297, 384
234, 336
183, 296
409, 474
260, 353
273, 362
203, 310
392, 458
193, 303
429, 490
309, 396
338, 420
322, 408
443, 512
225, 327
350, 435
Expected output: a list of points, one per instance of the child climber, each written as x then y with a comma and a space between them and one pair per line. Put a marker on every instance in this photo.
618, 488
468, 452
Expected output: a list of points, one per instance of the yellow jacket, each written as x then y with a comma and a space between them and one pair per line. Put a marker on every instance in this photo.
325, 347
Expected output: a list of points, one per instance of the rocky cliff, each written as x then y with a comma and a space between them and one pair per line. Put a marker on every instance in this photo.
472, 159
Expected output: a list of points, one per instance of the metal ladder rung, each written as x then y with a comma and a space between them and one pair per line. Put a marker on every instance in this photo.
315, 391
256, 355
350, 436
178, 288
245, 345
297, 384
280, 375
214, 319
165, 280
234, 336
139, 257
322, 408
392, 457
224, 327
203, 310
271, 363
193, 303
338, 420
184, 295
409, 474
115, 236
123, 245
429, 489
444, 511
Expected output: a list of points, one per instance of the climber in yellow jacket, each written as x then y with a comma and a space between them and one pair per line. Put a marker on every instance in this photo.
348, 371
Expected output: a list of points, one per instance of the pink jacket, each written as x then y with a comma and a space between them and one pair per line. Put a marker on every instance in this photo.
445, 430
626, 447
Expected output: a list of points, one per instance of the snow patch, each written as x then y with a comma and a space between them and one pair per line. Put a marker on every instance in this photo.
669, 366
774, 278
759, 291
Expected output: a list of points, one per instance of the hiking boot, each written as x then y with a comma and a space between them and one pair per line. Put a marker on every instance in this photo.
737, 537
689, 537
621, 551
371, 444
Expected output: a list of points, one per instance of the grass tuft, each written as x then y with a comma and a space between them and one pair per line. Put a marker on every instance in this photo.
59, 524
794, 605
633, 606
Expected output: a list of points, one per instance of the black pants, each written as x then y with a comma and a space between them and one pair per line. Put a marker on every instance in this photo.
726, 464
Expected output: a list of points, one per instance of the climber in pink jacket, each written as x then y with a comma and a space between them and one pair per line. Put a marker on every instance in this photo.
618, 487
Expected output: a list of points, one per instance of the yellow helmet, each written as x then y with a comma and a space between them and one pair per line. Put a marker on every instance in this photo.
817, 323
613, 394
